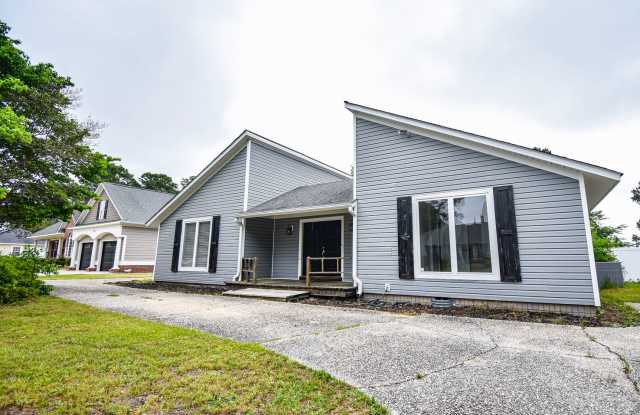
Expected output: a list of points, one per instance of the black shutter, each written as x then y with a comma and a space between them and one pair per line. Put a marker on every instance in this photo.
106, 206
213, 249
507, 234
177, 236
405, 238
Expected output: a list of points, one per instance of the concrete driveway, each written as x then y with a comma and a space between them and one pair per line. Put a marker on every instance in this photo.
425, 364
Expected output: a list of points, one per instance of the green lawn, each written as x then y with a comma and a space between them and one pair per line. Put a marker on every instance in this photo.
95, 276
58, 356
615, 298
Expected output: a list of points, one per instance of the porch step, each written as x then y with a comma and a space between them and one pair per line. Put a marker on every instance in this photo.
330, 289
268, 294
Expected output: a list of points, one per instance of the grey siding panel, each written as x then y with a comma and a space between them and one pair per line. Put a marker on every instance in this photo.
112, 214
286, 254
258, 244
222, 195
272, 173
551, 232
141, 243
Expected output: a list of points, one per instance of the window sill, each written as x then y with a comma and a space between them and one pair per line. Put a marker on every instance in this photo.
462, 276
192, 269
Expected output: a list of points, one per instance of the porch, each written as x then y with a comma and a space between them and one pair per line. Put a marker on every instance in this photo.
334, 289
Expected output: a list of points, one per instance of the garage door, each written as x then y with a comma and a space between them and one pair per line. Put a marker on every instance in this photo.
108, 255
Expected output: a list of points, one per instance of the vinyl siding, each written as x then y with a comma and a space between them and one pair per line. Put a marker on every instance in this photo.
140, 245
273, 173
551, 231
258, 242
222, 195
286, 254
112, 214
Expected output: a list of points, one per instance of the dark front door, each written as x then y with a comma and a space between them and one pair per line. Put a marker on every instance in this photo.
85, 255
53, 249
108, 255
322, 239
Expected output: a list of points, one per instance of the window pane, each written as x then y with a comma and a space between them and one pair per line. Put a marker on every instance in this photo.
472, 234
187, 244
434, 235
203, 244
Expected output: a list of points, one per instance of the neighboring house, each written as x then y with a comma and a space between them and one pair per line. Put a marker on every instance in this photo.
54, 241
14, 241
111, 235
519, 234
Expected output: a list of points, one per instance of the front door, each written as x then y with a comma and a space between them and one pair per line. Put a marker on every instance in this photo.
322, 239
85, 255
53, 249
108, 255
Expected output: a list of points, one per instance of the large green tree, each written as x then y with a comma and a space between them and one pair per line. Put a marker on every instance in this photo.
105, 168
635, 196
605, 237
158, 181
44, 150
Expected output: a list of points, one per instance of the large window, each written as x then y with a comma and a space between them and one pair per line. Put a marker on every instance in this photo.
456, 235
194, 247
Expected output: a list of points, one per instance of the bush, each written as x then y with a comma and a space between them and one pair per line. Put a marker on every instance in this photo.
19, 276
62, 262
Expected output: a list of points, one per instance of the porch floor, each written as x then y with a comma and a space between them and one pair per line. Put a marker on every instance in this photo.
342, 289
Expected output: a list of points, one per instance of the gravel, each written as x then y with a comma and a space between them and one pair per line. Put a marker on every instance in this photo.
422, 364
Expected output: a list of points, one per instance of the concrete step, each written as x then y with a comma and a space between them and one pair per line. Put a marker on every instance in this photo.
268, 294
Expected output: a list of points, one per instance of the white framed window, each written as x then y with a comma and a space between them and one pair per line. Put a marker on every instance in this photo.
102, 209
454, 235
68, 247
194, 244
16, 250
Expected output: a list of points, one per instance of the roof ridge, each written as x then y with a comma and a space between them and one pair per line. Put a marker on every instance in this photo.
136, 188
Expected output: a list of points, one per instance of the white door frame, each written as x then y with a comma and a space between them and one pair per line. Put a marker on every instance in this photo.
321, 219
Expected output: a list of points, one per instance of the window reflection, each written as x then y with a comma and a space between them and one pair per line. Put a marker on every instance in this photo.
472, 234
435, 254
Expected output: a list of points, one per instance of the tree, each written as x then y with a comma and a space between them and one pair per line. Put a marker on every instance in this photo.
158, 181
635, 241
105, 168
635, 196
185, 181
604, 237
43, 149
543, 150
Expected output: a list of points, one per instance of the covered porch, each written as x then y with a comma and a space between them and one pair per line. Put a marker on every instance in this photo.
97, 248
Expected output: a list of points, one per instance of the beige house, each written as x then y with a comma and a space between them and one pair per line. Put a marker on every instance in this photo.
111, 235
14, 241
54, 241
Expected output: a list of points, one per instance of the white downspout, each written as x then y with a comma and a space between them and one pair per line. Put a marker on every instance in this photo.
353, 210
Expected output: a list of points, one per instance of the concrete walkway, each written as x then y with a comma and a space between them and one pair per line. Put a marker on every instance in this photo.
425, 364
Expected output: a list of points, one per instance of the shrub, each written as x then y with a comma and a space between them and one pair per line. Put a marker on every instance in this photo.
19, 276
62, 262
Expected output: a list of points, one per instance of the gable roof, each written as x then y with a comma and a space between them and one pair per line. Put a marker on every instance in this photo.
598, 180
15, 236
133, 204
323, 194
55, 228
223, 158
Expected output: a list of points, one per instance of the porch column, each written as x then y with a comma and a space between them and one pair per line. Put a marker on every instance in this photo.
94, 254
59, 254
116, 260
74, 253
46, 248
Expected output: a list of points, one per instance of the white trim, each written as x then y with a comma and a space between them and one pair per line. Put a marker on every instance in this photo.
587, 227
47, 236
241, 237
193, 267
247, 170
354, 213
454, 274
321, 219
273, 244
98, 225
294, 211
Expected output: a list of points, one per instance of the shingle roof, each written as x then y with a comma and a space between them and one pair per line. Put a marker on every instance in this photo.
56, 227
136, 205
306, 196
15, 236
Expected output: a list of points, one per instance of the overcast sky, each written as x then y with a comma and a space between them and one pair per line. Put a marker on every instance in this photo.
174, 82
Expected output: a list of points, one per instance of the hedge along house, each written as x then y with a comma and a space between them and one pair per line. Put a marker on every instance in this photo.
255, 200
519, 234
111, 235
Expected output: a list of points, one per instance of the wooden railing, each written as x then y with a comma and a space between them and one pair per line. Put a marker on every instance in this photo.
323, 260
248, 268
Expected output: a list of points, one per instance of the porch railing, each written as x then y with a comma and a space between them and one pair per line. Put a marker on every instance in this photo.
323, 260
248, 268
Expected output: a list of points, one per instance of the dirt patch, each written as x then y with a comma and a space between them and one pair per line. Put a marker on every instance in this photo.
172, 287
606, 317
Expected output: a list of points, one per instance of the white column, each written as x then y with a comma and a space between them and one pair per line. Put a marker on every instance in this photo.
60, 244
116, 260
74, 253
46, 248
94, 254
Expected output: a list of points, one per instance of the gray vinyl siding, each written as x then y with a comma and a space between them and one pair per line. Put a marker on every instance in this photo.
258, 243
273, 173
550, 225
286, 248
141, 243
222, 195
112, 214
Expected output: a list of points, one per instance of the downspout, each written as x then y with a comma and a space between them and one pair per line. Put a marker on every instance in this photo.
357, 282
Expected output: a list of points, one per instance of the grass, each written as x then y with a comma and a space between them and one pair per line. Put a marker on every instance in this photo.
57, 356
95, 276
614, 300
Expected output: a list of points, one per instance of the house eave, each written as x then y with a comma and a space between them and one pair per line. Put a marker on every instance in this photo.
298, 211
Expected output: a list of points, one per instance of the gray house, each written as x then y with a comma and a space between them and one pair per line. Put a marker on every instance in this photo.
430, 212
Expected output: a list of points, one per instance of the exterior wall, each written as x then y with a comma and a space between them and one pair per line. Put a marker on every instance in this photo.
7, 249
140, 244
287, 248
550, 224
112, 215
258, 243
272, 173
222, 195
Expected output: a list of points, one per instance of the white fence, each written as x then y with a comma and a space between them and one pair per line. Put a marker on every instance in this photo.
630, 259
